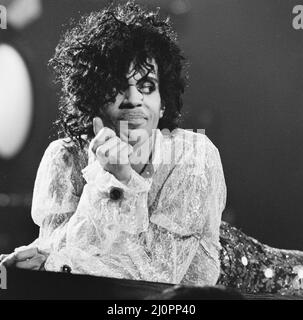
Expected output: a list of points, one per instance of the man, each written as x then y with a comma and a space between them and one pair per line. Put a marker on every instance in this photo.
117, 197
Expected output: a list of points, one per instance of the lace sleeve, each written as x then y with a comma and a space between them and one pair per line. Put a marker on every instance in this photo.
101, 223
77, 218
55, 197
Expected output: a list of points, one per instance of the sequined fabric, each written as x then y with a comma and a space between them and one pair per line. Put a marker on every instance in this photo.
252, 267
164, 229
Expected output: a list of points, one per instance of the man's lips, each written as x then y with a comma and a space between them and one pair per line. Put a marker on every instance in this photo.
133, 116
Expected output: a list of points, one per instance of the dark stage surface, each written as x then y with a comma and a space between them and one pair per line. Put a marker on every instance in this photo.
37, 285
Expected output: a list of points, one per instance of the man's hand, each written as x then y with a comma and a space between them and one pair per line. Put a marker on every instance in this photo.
112, 153
31, 258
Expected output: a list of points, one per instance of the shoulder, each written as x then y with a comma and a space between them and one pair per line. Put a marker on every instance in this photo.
65, 153
189, 145
59, 182
61, 166
191, 139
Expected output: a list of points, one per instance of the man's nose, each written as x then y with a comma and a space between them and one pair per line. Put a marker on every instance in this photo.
133, 97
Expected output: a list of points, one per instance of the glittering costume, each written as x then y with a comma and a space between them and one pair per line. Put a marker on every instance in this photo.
252, 267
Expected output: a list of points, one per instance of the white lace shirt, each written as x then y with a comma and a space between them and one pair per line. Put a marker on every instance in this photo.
164, 229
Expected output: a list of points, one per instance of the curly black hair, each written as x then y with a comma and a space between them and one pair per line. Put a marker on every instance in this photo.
93, 57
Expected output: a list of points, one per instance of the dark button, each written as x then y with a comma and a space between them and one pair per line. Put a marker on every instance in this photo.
116, 194
67, 269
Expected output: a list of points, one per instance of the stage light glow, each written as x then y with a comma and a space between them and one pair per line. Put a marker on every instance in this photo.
179, 7
16, 102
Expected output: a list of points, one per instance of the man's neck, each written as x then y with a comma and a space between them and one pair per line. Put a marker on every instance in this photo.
142, 155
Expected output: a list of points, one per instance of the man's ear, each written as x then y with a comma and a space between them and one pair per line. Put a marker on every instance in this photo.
162, 112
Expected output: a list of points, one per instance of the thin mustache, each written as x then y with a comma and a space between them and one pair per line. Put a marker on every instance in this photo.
132, 114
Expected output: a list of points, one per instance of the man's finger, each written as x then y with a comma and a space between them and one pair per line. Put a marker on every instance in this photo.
114, 144
103, 135
9, 260
32, 264
108, 145
3, 256
26, 254
27, 265
97, 124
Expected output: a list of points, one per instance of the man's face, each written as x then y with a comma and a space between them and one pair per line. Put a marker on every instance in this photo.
139, 104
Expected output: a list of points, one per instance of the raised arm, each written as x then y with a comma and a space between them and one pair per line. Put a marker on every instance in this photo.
76, 212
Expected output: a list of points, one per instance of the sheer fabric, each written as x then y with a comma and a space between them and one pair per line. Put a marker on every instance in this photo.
164, 229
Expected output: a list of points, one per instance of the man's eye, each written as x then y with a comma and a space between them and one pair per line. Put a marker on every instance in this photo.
146, 87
